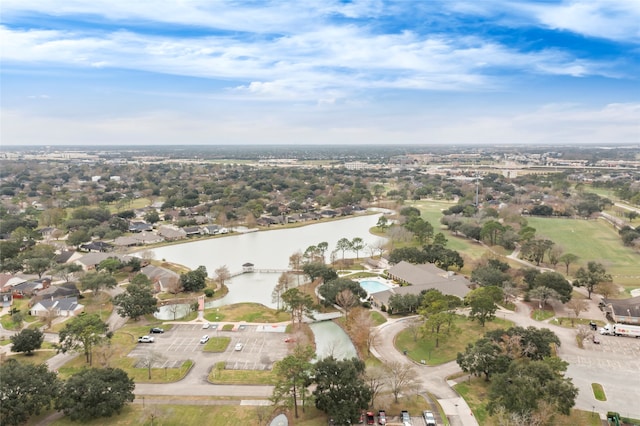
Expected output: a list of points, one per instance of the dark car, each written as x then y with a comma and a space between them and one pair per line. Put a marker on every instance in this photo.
156, 330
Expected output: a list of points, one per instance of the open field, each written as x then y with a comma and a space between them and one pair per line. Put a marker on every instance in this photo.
592, 240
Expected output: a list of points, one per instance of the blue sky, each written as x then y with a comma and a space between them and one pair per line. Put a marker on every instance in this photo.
125, 72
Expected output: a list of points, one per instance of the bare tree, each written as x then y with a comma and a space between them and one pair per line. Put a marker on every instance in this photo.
376, 378
576, 306
414, 325
49, 316
104, 352
148, 255
607, 289
295, 263
361, 329
347, 300
401, 377
284, 283
173, 308
173, 286
149, 358
222, 274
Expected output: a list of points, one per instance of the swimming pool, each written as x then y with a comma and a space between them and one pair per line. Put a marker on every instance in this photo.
373, 286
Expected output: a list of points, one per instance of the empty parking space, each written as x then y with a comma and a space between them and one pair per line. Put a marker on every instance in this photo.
261, 346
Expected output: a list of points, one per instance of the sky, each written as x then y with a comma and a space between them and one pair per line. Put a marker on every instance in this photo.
206, 72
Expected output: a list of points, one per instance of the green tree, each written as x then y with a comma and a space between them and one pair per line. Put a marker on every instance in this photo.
316, 270
25, 390
152, 216
293, 376
110, 264
94, 393
343, 245
535, 250
330, 290
136, 301
78, 237
82, 333
532, 389
483, 357
483, 303
357, 244
590, 277
37, 265
27, 341
298, 304
491, 231
434, 323
555, 281
341, 390
194, 280
533, 343
66, 271
568, 259
96, 281
421, 229
383, 223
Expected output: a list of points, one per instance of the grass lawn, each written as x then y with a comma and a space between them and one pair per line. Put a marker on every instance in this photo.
37, 357
187, 415
579, 237
217, 344
241, 377
465, 332
542, 314
378, 318
247, 312
598, 392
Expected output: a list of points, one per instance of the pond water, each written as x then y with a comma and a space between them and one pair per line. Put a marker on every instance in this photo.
268, 249
332, 340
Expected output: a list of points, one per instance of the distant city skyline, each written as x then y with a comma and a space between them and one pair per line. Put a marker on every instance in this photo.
79, 72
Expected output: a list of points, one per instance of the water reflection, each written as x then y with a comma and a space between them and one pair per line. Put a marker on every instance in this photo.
255, 287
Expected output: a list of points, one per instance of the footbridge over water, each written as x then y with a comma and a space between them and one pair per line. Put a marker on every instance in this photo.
318, 317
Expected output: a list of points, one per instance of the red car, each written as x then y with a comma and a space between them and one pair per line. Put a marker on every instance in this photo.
370, 418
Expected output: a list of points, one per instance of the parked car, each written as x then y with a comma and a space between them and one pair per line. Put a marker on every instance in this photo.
204, 339
205, 325
382, 417
429, 418
238, 346
146, 339
156, 330
405, 418
370, 418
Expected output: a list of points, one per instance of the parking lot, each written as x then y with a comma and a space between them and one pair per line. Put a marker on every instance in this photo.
261, 346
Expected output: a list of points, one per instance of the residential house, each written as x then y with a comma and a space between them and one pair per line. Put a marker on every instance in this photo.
57, 292
63, 307
138, 240
90, 260
8, 281
172, 233
30, 288
96, 247
138, 226
192, 230
162, 279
